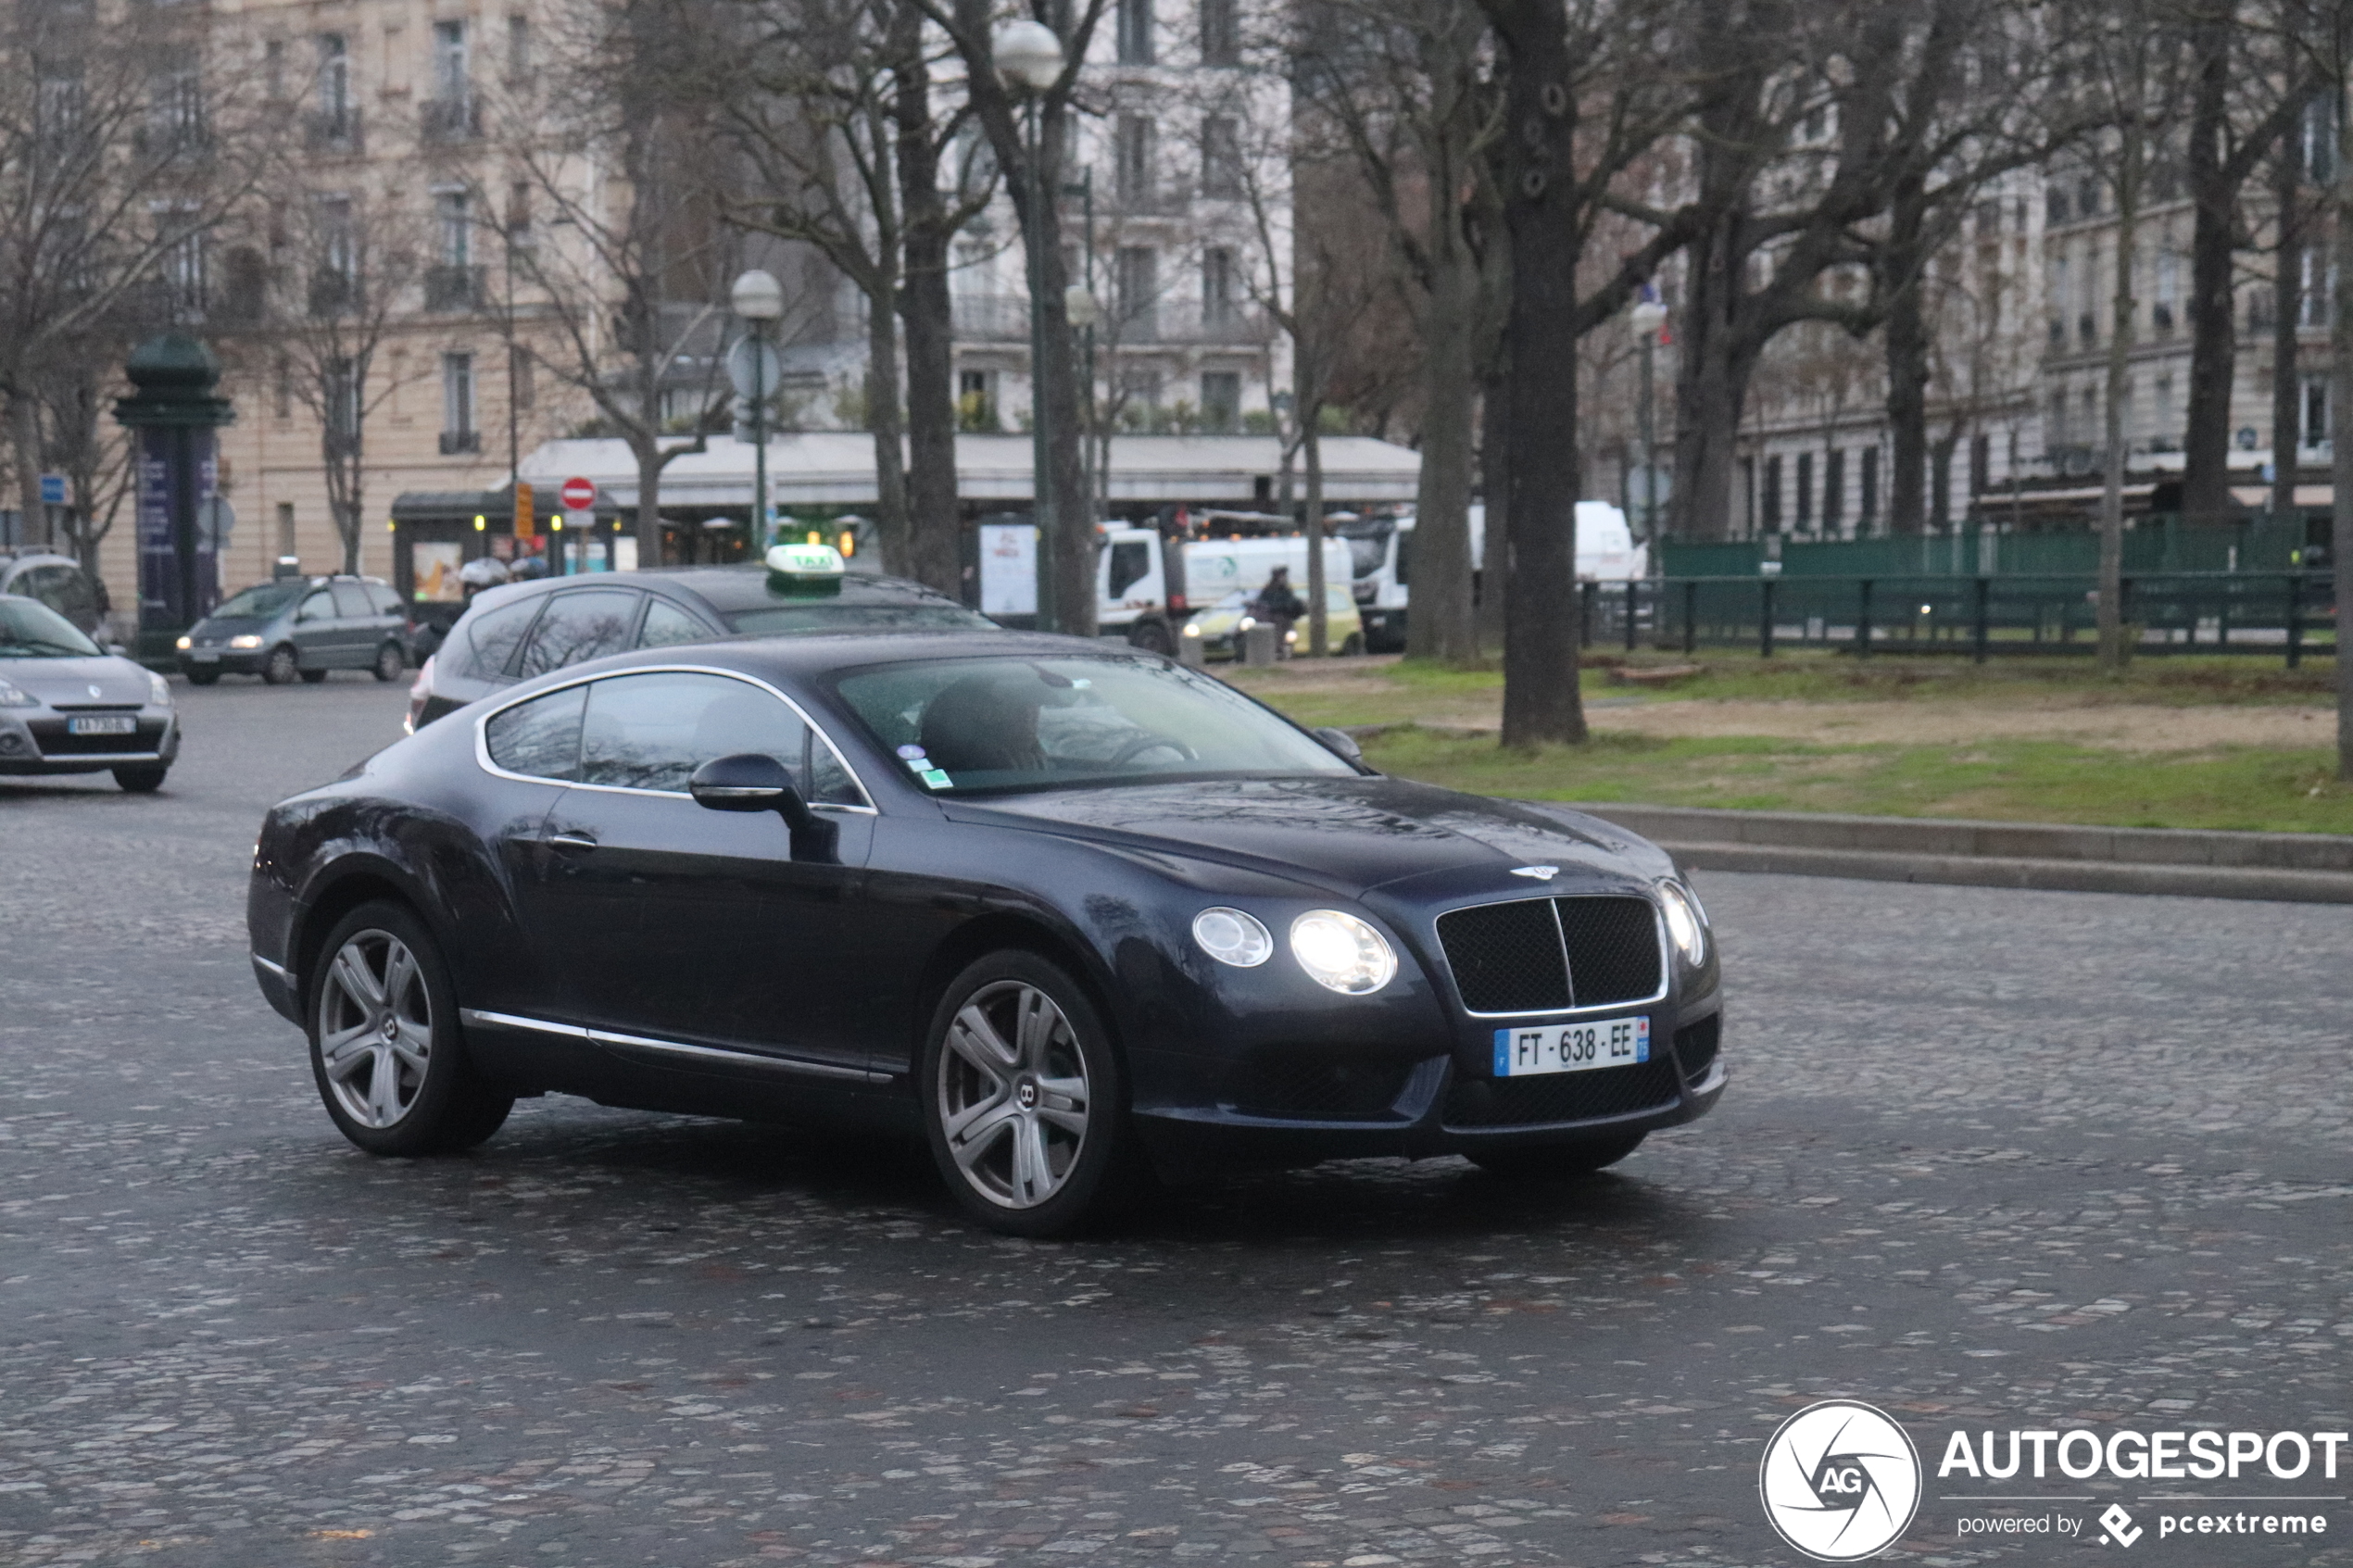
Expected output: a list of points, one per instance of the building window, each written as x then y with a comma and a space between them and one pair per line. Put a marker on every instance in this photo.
1217, 305
519, 213
185, 282
976, 401
1135, 33
1866, 514
1134, 151
176, 109
457, 432
1221, 401
1136, 285
2054, 426
1768, 512
2168, 285
333, 123
2317, 294
521, 379
1806, 490
281, 389
340, 387
1981, 465
449, 70
518, 48
2316, 410
1220, 33
1221, 157
285, 528
1833, 490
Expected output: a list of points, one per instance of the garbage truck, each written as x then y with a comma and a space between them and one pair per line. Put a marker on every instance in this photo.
1146, 586
1382, 553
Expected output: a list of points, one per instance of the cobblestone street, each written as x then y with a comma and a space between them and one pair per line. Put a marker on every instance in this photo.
1989, 1159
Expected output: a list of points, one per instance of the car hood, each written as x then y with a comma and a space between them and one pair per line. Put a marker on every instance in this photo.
67, 682
226, 626
1350, 834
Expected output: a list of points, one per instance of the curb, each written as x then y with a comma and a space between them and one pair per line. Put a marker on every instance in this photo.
2287, 867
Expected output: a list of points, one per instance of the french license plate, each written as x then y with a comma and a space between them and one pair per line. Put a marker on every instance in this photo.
104, 724
1572, 1047
204, 656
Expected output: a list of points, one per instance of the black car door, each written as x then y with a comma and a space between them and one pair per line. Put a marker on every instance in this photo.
687, 927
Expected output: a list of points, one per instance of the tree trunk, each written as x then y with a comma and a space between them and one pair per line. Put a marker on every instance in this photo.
24, 435
1439, 625
1903, 261
890, 444
647, 449
2206, 440
1069, 530
2113, 651
1494, 489
1539, 571
1319, 620
933, 558
2287, 303
1711, 388
2341, 465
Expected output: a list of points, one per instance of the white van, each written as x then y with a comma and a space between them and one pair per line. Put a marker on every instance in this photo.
1383, 555
1141, 593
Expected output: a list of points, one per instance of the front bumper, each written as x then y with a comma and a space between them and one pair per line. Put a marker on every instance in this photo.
39, 741
1318, 1106
223, 662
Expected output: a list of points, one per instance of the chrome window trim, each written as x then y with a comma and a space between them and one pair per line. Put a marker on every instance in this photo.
673, 1047
482, 735
1658, 933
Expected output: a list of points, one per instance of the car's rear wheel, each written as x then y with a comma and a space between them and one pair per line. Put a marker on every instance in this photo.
312, 677
1152, 637
1558, 1162
141, 781
203, 677
1024, 1104
390, 662
281, 667
384, 1043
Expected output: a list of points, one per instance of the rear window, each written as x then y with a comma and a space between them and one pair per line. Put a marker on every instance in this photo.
579, 626
491, 639
784, 619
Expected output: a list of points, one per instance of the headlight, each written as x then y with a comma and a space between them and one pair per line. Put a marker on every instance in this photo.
1342, 953
184, 644
1291, 636
16, 697
1245, 624
248, 641
1686, 922
1192, 630
158, 690
1233, 936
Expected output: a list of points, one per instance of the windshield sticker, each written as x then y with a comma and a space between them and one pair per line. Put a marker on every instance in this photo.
911, 753
935, 778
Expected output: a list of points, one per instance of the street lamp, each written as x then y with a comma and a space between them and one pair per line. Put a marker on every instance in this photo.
758, 300
1030, 59
1649, 315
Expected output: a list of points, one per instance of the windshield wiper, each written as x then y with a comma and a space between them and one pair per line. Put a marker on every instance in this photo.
41, 651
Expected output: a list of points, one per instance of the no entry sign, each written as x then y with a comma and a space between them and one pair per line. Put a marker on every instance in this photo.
579, 495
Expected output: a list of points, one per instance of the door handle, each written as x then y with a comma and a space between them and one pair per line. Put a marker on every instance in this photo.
571, 842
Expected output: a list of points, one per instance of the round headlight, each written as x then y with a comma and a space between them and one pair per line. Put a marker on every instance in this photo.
184, 645
1686, 922
1245, 624
1342, 953
1192, 629
1233, 936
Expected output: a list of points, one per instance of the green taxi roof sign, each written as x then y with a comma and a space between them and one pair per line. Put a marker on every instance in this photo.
805, 560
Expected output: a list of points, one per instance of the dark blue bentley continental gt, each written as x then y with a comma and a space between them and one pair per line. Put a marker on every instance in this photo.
1072, 910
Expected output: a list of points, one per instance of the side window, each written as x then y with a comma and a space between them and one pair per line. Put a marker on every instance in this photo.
320, 606
829, 782
351, 602
580, 626
63, 589
653, 730
381, 594
667, 625
541, 737
493, 638
1129, 560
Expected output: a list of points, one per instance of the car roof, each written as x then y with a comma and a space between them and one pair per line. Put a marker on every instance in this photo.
817, 654
726, 589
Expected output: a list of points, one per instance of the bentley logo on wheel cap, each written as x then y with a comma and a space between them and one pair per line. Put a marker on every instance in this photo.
1539, 874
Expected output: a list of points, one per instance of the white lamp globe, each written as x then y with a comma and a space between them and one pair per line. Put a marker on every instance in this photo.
1028, 55
757, 296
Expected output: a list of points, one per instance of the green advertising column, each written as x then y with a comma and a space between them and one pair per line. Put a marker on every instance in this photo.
173, 415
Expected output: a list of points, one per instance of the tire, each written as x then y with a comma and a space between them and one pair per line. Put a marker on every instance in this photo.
280, 668
313, 677
393, 1071
203, 677
1014, 1162
1558, 1162
1152, 637
1354, 646
140, 781
391, 663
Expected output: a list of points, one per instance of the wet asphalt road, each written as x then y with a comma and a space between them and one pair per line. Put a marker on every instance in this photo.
1989, 1159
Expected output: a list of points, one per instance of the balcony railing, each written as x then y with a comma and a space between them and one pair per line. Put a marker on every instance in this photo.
453, 288
991, 317
331, 130
450, 120
1004, 318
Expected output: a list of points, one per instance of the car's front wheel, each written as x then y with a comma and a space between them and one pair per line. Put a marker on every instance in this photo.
390, 662
1558, 1162
141, 780
384, 1043
204, 677
281, 667
1024, 1104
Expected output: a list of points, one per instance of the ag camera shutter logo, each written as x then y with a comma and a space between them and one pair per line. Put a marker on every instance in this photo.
1840, 1480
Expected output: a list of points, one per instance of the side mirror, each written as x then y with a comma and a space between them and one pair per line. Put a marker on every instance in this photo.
753, 780
1342, 743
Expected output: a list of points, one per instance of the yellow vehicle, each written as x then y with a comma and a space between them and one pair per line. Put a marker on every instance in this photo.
1218, 627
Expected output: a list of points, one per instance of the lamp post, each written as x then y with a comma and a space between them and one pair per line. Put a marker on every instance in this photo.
1029, 60
757, 299
1649, 315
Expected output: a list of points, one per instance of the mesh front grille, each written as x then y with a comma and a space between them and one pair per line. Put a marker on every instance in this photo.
1613, 948
1506, 958
1308, 1089
1561, 1096
1695, 1045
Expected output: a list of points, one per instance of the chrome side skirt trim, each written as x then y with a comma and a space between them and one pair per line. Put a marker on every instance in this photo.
280, 970
671, 1047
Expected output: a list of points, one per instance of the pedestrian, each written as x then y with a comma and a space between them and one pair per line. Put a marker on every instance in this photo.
1280, 603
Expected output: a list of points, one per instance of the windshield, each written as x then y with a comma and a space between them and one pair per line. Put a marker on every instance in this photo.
1365, 554
29, 630
261, 601
1040, 723
773, 620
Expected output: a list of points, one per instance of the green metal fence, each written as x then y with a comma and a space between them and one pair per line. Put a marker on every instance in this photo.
2261, 543
2280, 614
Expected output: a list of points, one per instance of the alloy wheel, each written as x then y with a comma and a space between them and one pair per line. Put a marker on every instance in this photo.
375, 1028
1013, 1094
